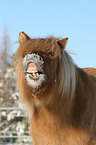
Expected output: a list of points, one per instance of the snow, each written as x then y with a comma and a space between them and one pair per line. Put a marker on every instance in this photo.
13, 121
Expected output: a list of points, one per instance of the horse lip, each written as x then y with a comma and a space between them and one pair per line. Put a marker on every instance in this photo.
38, 70
31, 68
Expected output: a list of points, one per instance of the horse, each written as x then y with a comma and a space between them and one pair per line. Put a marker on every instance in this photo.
59, 96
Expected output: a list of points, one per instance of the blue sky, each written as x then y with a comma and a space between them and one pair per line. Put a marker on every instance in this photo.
60, 18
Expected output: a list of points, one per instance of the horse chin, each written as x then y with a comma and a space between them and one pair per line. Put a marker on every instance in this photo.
35, 83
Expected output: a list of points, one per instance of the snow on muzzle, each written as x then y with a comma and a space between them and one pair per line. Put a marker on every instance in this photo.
33, 65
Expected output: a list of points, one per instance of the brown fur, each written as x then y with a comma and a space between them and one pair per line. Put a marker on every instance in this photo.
90, 71
58, 115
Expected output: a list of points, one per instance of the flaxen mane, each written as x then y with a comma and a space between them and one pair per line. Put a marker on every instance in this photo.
60, 97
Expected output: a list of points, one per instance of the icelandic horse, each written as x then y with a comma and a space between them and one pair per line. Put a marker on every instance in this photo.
59, 96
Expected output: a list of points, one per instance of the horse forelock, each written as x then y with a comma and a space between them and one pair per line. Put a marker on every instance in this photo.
46, 45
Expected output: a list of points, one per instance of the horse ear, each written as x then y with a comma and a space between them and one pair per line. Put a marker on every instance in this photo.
23, 37
62, 43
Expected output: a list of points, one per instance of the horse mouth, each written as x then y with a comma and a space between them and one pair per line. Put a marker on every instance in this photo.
33, 71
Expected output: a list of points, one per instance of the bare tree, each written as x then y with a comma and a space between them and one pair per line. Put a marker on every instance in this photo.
4, 49
4, 62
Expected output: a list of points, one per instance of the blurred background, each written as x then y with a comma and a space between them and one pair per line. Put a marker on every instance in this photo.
39, 18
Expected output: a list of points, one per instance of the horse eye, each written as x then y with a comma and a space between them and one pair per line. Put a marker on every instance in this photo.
23, 55
51, 53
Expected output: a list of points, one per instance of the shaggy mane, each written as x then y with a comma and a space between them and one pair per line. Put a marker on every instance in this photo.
67, 70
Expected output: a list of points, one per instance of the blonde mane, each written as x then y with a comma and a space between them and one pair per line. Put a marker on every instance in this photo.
67, 70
